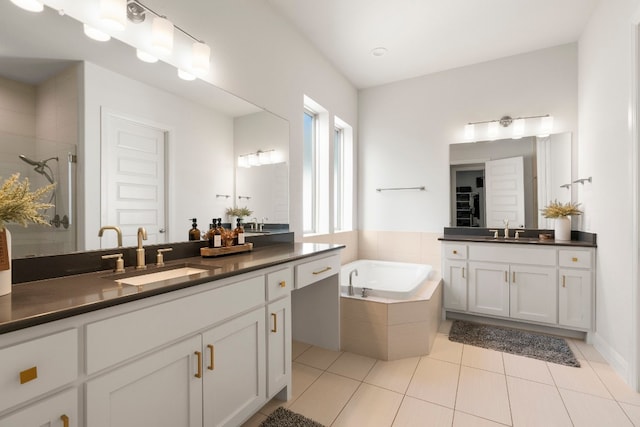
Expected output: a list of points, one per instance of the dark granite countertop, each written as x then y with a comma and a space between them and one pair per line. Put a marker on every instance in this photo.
42, 301
528, 237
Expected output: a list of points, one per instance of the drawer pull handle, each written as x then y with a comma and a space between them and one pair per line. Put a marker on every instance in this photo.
28, 375
574, 259
199, 356
283, 284
212, 352
455, 252
324, 270
65, 420
514, 276
564, 281
463, 272
274, 316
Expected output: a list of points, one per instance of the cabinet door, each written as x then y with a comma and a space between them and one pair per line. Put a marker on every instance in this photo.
278, 346
533, 293
455, 284
575, 298
489, 288
234, 370
60, 410
161, 389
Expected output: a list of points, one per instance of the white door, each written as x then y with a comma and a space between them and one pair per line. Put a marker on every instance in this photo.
574, 298
51, 412
504, 187
133, 179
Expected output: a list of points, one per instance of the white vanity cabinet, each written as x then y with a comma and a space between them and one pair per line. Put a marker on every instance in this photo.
547, 285
216, 377
455, 274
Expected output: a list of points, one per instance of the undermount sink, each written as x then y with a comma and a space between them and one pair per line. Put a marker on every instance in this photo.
179, 271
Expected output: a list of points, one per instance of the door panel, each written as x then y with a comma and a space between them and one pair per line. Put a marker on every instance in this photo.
505, 192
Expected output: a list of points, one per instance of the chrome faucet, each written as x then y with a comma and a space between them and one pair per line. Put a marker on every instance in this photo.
142, 235
354, 271
506, 228
112, 227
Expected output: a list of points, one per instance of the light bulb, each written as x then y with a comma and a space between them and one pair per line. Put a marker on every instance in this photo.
469, 132
96, 34
146, 57
492, 130
200, 57
185, 76
546, 126
113, 14
162, 35
30, 5
518, 128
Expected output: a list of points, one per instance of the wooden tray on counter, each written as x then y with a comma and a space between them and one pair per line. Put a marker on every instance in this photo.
225, 250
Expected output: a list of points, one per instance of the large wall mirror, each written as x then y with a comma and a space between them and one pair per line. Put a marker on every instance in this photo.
127, 143
509, 179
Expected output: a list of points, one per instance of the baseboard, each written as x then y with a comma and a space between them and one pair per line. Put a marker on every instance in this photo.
613, 358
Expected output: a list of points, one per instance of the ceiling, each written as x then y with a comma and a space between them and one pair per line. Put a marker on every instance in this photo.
427, 36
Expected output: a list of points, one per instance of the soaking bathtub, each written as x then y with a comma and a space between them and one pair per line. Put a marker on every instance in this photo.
399, 314
384, 279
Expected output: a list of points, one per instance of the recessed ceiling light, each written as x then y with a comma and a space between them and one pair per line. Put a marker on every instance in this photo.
379, 51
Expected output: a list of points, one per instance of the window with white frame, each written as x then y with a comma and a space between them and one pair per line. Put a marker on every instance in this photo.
309, 199
342, 176
316, 168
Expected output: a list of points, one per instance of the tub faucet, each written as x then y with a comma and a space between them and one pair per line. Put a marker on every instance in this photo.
354, 271
142, 235
116, 229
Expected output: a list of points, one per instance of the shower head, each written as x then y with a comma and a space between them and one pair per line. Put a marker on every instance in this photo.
28, 160
40, 166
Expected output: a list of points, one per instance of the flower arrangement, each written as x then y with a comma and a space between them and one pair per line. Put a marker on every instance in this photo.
21, 205
239, 212
557, 209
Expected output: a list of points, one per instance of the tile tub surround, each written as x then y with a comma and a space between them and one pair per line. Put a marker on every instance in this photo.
389, 329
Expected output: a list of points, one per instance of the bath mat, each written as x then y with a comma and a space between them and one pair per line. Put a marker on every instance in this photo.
522, 343
282, 417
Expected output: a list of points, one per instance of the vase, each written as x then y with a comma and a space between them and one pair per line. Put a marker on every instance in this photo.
562, 228
5, 262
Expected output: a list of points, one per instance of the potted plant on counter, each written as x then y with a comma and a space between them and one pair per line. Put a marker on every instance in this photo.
561, 213
17, 205
240, 213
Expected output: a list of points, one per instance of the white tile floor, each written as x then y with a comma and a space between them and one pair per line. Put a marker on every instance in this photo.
456, 385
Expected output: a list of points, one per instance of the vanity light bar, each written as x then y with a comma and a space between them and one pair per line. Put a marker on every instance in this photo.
519, 123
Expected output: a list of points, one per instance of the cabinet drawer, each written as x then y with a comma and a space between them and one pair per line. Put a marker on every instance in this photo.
35, 367
513, 254
454, 251
574, 258
279, 283
313, 271
114, 340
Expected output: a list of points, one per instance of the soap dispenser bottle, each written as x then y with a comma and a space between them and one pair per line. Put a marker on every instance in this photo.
194, 233
217, 234
239, 232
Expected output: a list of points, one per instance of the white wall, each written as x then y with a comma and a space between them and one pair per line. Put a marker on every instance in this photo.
406, 128
200, 155
605, 153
